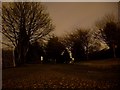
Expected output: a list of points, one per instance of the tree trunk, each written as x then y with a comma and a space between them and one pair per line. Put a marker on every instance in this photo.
20, 53
18, 56
114, 51
87, 57
14, 65
23, 43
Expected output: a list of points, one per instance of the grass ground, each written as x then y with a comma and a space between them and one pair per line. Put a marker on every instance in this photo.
96, 75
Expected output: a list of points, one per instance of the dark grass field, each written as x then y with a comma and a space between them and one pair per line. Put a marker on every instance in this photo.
94, 75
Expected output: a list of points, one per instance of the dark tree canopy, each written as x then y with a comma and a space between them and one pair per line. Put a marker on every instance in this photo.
54, 50
78, 41
82, 42
35, 52
110, 32
24, 23
25, 19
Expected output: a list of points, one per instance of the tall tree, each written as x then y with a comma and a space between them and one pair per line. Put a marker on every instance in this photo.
78, 41
83, 40
54, 50
111, 36
109, 31
24, 23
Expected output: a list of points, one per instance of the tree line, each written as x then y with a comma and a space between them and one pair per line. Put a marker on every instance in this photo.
28, 27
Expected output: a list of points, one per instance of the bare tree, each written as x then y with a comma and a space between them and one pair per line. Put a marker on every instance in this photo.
24, 23
109, 30
78, 41
84, 39
101, 23
111, 36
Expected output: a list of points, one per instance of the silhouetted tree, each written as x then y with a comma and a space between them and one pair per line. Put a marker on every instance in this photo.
101, 23
24, 23
54, 50
118, 41
78, 51
78, 41
36, 50
82, 42
109, 32
66, 56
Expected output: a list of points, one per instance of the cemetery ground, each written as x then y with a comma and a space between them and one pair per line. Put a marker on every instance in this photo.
100, 74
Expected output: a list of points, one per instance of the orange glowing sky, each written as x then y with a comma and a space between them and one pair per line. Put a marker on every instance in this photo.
68, 15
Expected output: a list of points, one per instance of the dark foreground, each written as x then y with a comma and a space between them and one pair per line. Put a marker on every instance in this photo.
91, 75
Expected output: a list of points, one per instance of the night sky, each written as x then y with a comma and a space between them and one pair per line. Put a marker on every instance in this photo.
67, 16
